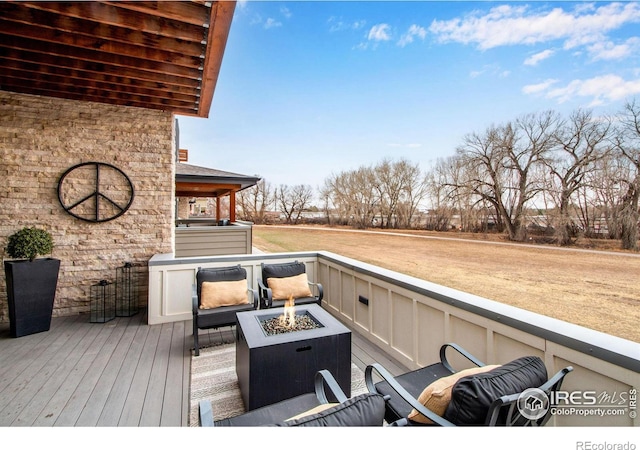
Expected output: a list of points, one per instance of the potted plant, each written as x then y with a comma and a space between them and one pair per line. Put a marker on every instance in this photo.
31, 281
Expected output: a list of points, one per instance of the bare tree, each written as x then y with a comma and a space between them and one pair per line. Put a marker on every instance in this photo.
580, 143
607, 185
415, 192
501, 164
400, 185
440, 197
255, 202
628, 144
292, 200
355, 196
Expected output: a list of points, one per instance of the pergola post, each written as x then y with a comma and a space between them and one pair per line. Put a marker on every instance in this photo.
232, 206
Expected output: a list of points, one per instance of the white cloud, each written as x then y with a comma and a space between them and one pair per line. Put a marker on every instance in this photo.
533, 60
492, 70
256, 19
413, 32
540, 87
285, 12
601, 89
358, 24
272, 23
338, 24
512, 25
380, 32
608, 50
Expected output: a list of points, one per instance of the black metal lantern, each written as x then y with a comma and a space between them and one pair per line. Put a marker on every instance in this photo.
126, 290
102, 302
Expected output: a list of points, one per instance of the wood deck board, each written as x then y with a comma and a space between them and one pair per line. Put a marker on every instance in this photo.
117, 397
173, 399
39, 371
132, 411
120, 373
107, 364
76, 403
152, 410
60, 384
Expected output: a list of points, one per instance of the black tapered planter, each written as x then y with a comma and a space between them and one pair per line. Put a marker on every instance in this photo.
31, 290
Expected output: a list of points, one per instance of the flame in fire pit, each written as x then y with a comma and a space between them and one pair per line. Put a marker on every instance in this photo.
288, 318
288, 321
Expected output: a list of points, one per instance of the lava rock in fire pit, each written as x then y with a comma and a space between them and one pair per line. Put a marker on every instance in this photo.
276, 325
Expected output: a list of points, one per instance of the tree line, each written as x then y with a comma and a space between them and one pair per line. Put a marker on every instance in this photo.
540, 172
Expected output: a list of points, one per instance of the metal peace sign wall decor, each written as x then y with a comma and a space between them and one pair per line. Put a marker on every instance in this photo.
95, 191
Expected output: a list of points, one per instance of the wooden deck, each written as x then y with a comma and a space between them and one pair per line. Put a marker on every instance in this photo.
120, 373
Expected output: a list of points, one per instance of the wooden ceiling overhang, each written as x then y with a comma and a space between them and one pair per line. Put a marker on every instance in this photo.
205, 189
163, 55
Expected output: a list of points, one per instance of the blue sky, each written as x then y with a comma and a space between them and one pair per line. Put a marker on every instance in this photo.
311, 88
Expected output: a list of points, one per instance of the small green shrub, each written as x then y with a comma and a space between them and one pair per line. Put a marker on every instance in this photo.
29, 242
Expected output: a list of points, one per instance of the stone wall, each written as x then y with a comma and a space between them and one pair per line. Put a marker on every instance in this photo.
183, 207
40, 138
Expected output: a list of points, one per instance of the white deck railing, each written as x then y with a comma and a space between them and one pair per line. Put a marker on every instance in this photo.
410, 319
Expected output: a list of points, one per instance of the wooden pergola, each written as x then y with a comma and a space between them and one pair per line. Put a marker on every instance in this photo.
162, 55
196, 181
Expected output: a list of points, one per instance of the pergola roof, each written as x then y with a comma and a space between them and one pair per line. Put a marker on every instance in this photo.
196, 181
162, 55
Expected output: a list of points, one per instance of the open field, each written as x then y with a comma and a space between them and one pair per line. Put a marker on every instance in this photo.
595, 289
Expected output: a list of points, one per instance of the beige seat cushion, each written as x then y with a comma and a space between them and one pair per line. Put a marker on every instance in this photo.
214, 294
437, 395
283, 288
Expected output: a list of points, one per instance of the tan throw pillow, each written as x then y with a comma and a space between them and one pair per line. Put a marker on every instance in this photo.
223, 293
316, 410
437, 395
283, 288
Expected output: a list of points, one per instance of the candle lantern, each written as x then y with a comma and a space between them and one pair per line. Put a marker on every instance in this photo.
127, 290
102, 302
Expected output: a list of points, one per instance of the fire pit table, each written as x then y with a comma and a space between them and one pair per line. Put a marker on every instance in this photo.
274, 367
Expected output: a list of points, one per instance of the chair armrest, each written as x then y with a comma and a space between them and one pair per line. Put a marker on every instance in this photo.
254, 297
265, 294
194, 299
399, 423
206, 414
460, 350
325, 378
555, 382
402, 392
320, 290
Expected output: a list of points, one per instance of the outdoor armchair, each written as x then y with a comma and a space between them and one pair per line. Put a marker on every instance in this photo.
218, 294
482, 395
281, 281
319, 408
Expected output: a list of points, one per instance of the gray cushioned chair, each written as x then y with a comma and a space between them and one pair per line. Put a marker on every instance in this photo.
362, 410
284, 270
222, 315
489, 398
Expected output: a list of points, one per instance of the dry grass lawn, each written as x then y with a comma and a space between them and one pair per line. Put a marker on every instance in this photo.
595, 289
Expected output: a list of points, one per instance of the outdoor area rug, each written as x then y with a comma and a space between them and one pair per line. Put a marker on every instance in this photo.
213, 378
